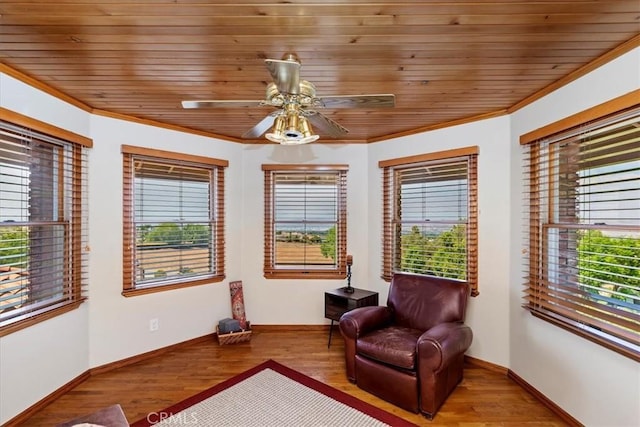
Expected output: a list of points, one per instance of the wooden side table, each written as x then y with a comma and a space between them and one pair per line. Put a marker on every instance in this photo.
337, 302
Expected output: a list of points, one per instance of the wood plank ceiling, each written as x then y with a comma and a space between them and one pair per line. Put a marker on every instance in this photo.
446, 61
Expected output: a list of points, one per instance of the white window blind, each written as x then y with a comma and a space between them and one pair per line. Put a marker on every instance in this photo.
583, 192
43, 229
429, 217
174, 221
306, 221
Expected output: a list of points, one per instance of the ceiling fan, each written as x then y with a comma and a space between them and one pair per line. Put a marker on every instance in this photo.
297, 105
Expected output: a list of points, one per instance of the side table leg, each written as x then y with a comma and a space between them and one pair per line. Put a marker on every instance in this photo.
330, 332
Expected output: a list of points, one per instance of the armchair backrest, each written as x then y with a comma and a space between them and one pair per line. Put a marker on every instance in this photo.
421, 302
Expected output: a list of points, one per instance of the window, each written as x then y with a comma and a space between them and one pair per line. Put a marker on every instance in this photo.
430, 215
173, 220
43, 214
583, 219
305, 221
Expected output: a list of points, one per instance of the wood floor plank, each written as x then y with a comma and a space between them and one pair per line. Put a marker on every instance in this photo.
484, 398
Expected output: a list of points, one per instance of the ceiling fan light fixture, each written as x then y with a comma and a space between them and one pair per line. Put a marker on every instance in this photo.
291, 129
274, 137
307, 133
277, 133
308, 139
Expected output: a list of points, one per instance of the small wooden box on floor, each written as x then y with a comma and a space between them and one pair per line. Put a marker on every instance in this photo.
233, 337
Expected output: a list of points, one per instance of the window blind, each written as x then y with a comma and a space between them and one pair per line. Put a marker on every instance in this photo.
583, 234
430, 216
174, 221
305, 219
43, 225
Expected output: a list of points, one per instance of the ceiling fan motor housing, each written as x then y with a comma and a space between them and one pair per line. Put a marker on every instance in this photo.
305, 97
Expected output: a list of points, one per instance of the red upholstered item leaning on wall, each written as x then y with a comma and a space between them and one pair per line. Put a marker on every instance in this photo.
237, 303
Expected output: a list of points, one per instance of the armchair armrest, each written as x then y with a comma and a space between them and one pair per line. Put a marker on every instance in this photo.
364, 319
438, 346
357, 322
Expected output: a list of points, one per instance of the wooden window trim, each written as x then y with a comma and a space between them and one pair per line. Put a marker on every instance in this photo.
129, 153
388, 166
620, 103
438, 155
275, 167
75, 251
541, 300
270, 272
43, 127
171, 155
50, 314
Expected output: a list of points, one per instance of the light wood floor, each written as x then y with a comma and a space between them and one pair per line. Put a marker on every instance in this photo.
484, 397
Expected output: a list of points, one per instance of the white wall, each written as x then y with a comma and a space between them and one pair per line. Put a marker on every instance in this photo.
299, 301
40, 359
119, 326
595, 385
488, 313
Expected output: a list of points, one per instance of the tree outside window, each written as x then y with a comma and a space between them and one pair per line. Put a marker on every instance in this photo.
173, 220
583, 193
430, 215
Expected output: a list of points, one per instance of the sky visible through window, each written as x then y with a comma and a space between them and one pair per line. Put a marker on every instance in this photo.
167, 200
13, 198
611, 194
302, 207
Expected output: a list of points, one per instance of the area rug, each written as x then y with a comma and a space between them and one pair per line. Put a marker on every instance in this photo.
272, 394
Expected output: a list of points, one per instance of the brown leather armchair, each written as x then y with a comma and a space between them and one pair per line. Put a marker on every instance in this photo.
411, 352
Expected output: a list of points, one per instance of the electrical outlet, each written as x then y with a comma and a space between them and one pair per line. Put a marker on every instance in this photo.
154, 325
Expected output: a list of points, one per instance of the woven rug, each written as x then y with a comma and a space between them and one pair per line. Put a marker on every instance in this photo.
272, 394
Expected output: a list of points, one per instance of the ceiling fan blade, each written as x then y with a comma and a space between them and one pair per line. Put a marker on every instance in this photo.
221, 104
325, 125
262, 126
384, 100
285, 74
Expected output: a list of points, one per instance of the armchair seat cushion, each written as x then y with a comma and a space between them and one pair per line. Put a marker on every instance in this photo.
394, 345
